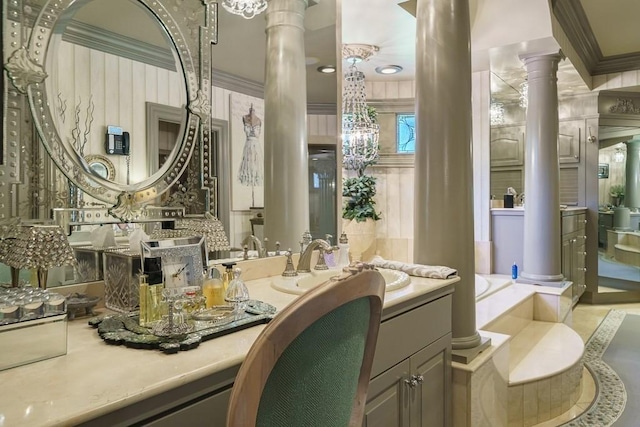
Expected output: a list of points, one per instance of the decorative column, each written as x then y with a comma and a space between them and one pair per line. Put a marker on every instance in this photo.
443, 215
286, 197
542, 261
632, 172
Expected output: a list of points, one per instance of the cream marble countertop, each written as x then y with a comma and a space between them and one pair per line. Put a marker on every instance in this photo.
95, 378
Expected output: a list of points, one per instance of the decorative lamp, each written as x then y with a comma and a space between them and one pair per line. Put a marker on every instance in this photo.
359, 133
38, 246
245, 8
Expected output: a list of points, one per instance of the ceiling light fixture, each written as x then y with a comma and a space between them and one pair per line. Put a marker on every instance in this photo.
524, 94
360, 133
245, 8
388, 69
496, 113
327, 69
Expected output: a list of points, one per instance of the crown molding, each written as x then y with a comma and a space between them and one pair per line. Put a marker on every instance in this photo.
396, 105
233, 83
107, 41
574, 22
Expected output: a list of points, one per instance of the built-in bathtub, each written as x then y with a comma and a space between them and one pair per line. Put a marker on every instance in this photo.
488, 285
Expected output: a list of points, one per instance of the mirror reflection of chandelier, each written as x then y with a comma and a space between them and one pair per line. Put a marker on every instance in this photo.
524, 94
618, 156
245, 8
496, 113
360, 133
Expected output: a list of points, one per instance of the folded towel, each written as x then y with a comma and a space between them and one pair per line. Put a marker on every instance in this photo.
419, 270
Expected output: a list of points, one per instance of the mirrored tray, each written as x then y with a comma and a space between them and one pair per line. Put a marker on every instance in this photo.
124, 329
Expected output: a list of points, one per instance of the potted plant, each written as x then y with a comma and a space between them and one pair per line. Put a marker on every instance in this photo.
358, 209
617, 194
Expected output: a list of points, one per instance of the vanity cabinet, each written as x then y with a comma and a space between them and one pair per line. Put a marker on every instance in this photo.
411, 379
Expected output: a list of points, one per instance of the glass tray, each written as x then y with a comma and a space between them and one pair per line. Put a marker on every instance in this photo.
124, 329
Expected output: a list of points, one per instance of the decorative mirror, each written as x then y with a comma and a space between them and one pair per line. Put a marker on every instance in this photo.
89, 67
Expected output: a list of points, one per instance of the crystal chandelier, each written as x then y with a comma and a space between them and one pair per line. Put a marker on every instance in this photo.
496, 113
245, 8
524, 94
360, 133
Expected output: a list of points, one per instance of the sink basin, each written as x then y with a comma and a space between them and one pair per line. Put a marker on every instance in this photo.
303, 282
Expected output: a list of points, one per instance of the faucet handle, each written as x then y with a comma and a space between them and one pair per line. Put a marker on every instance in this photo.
245, 252
289, 270
278, 248
328, 238
321, 264
265, 251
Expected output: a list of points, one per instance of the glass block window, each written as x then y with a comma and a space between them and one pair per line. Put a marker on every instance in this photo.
406, 133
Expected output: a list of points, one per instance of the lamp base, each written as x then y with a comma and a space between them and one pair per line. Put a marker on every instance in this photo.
42, 278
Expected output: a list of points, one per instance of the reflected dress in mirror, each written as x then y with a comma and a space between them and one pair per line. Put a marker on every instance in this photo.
251, 167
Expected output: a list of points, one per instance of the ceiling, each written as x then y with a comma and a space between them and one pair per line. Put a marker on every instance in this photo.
607, 31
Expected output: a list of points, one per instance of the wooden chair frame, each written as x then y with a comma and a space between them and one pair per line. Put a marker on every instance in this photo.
352, 284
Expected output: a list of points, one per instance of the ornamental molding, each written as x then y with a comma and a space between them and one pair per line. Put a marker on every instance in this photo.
624, 106
24, 71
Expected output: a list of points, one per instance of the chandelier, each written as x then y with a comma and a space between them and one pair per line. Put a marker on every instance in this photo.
618, 156
245, 8
496, 113
524, 94
360, 132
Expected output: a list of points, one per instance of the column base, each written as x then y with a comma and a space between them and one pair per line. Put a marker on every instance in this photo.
466, 355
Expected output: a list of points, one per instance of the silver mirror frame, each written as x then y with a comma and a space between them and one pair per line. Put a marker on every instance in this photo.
192, 27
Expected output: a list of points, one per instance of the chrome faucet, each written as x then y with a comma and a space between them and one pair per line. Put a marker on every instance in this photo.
258, 245
304, 264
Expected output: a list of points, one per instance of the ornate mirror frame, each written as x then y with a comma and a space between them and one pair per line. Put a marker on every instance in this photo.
192, 27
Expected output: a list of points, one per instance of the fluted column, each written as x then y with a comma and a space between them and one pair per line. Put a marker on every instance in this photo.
542, 241
632, 172
286, 198
443, 165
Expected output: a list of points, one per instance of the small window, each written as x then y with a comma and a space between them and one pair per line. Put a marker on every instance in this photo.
406, 133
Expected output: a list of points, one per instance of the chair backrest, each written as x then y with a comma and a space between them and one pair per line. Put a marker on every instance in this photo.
311, 364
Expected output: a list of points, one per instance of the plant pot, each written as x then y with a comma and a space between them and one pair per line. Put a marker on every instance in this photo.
361, 235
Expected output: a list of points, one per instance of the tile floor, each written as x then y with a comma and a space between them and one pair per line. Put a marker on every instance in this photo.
586, 318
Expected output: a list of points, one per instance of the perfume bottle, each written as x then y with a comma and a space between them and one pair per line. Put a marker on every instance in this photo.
227, 276
237, 293
213, 289
143, 294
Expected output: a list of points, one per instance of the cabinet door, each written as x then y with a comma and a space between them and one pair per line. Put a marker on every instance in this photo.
387, 405
507, 146
569, 141
567, 256
431, 398
210, 412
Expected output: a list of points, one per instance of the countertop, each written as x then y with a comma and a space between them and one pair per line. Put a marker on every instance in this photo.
95, 378
519, 210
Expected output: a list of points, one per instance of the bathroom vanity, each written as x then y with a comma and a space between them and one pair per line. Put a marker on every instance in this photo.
96, 384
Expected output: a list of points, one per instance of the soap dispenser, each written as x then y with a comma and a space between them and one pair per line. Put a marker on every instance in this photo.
343, 244
237, 293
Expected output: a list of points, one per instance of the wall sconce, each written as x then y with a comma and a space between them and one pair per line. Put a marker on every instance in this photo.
618, 156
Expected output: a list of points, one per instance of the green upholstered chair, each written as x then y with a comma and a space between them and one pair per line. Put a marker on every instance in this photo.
311, 364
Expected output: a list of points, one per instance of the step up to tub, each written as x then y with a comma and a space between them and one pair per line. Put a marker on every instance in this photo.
545, 358
627, 254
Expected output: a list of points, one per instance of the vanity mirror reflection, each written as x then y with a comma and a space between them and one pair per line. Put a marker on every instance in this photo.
618, 197
80, 77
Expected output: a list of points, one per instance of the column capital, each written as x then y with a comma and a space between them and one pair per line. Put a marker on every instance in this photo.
552, 55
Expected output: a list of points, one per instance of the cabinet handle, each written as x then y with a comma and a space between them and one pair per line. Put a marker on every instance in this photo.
584, 221
583, 269
414, 380
584, 253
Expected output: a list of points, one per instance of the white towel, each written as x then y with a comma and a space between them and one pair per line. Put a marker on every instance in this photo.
419, 270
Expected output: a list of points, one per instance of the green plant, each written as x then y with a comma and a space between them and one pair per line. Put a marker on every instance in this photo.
359, 204
617, 190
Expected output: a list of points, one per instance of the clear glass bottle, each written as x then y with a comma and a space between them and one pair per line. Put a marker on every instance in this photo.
237, 293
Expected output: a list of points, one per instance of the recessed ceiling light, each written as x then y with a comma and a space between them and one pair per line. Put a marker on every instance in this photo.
327, 69
388, 69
